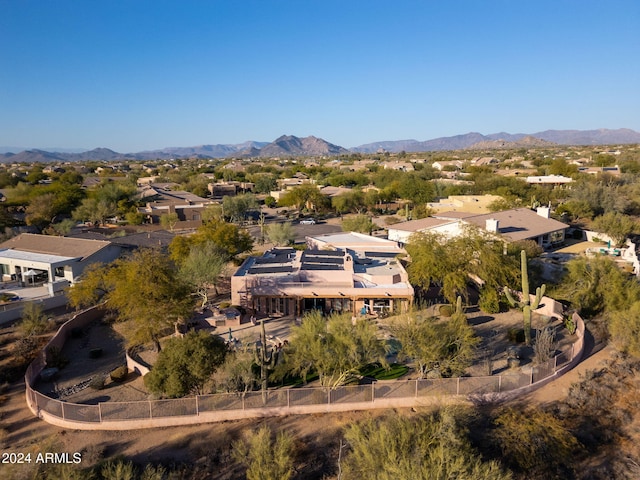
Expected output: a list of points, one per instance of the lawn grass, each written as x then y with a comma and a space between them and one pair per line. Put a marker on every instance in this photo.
395, 370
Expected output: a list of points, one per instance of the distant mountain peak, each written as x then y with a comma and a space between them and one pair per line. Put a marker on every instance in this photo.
290, 145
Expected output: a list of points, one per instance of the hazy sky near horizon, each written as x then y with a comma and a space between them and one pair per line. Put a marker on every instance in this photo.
132, 75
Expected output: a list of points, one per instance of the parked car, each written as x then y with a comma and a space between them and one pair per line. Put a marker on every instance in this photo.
308, 221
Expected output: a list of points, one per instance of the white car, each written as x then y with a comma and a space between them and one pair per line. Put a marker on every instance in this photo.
308, 221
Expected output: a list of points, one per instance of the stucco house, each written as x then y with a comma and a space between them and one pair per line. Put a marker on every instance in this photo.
513, 225
291, 282
56, 261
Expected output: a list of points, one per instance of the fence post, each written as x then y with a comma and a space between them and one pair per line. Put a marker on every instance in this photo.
416, 388
531, 380
329, 397
62, 405
150, 410
197, 406
100, 412
458, 386
288, 398
555, 364
373, 391
499, 383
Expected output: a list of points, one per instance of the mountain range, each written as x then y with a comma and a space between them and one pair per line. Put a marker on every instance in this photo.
289, 145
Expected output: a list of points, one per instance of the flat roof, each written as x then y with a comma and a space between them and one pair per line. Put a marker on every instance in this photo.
34, 257
352, 239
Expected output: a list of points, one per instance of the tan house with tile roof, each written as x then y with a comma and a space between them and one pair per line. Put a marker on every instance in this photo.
514, 225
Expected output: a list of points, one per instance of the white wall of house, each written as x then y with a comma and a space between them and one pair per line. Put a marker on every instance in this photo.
449, 230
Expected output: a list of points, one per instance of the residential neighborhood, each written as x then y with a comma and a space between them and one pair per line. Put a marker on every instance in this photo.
319, 240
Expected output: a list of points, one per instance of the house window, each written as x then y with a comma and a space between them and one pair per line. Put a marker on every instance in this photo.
557, 236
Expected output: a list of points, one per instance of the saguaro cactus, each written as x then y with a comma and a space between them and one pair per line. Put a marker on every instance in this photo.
266, 359
525, 303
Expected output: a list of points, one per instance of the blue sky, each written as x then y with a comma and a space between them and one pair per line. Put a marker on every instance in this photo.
144, 74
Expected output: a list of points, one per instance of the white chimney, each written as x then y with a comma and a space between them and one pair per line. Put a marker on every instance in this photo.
543, 212
492, 225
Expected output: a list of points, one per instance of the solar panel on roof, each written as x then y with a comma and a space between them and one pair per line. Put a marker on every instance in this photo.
321, 266
334, 260
324, 253
277, 259
262, 270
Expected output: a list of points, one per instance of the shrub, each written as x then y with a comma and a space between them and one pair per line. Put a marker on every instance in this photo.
26, 348
515, 335
33, 320
545, 345
535, 442
489, 301
119, 374
264, 457
56, 359
570, 325
97, 382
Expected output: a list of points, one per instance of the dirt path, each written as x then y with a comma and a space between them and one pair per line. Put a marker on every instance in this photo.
593, 359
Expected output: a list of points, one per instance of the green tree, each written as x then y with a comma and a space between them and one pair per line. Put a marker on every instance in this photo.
352, 201
335, 348
601, 196
33, 320
202, 269
270, 202
94, 210
169, 220
134, 217
63, 227
616, 225
281, 234
450, 263
358, 223
560, 166
445, 345
430, 447
237, 374
227, 237
596, 286
238, 207
624, 328
186, 364
264, 182
304, 196
577, 209
41, 210
143, 289
416, 189
266, 459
